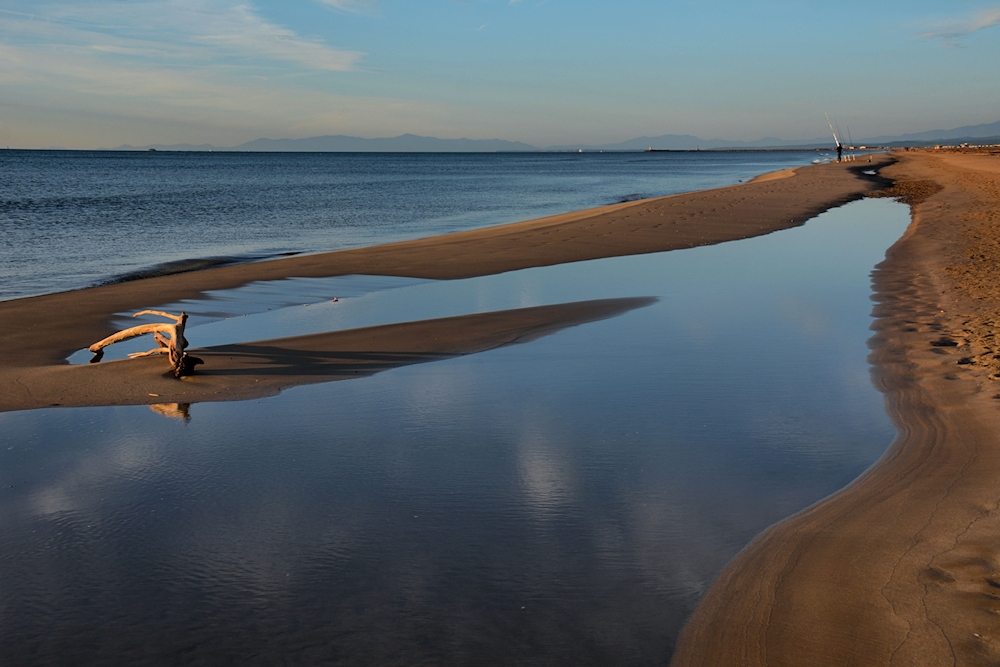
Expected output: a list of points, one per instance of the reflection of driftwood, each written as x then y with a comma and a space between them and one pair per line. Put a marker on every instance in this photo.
173, 410
180, 361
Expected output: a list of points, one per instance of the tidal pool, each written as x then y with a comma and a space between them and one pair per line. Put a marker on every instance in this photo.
564, 501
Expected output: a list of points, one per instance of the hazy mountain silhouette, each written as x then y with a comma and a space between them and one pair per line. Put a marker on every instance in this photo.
968, 132
417, 144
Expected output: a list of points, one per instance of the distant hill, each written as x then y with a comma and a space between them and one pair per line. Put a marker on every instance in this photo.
986, 141
986, 133
408, 143
966, 133
687, 142
411, 143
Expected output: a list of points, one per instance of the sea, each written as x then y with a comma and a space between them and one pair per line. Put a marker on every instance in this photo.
72, 219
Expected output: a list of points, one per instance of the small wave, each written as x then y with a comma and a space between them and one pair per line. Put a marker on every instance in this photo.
188, 265
635, 196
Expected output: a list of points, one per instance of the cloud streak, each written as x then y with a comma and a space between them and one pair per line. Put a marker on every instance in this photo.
174, 31
366, 7
956, 30
105, 73
241, 30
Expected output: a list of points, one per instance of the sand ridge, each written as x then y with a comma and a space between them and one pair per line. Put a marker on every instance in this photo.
263, 368
38, 333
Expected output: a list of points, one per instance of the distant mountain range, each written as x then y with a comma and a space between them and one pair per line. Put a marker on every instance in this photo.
989, 130
687, 142
406, 143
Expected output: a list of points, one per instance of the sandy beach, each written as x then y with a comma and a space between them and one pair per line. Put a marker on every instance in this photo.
901, 567
38, 333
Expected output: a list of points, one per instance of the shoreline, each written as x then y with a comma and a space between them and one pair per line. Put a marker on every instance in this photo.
900, 567
38, 333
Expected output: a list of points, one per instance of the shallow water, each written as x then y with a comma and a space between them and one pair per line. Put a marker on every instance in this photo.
69, 219
563, 501
259, 311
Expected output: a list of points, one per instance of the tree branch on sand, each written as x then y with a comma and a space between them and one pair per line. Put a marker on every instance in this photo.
174, 346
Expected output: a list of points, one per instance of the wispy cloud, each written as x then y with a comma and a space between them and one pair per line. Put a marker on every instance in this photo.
224, 105
953, 31
366, 7
241, 30
177, 70
209, 31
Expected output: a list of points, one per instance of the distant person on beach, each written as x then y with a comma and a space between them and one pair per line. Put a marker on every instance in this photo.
840, 151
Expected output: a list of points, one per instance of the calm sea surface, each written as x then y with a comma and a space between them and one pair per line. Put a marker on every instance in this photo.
565, 501
73, 219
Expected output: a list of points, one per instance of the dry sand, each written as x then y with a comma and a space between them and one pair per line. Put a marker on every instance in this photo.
903, 566
38, 333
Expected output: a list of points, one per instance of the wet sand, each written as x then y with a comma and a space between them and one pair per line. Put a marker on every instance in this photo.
264, 368
38, 333
902, 567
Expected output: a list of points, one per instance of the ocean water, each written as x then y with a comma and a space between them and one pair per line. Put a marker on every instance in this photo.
70, 219
565, 501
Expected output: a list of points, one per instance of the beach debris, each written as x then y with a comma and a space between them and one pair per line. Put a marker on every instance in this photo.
173, 344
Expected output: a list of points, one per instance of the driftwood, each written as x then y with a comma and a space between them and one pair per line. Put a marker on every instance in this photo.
173, 344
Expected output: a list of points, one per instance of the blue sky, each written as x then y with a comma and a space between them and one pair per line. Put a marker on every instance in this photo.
99, 73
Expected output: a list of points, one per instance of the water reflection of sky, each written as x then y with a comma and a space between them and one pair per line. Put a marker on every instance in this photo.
562, 501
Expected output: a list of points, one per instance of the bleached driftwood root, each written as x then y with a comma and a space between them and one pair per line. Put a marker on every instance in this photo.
173, 344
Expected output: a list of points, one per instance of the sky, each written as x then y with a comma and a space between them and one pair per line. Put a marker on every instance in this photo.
101, 73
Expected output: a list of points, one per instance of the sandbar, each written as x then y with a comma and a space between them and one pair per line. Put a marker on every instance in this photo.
38, 333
